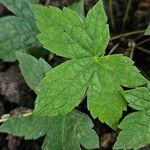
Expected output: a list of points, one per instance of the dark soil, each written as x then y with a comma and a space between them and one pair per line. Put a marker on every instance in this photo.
16, 97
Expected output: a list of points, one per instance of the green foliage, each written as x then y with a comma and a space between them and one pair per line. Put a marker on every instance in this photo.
135, 127
18, 33
32, 69
62, 132
78, 8
147, 32
33, 1
65, 34
26, 126
88, 71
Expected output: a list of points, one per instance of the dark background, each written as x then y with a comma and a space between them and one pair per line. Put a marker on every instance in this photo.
125, 16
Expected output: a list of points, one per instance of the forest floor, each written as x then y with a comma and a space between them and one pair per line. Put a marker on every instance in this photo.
125, 16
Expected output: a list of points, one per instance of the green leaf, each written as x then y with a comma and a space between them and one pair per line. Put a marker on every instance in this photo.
63, 132
101, 78
138, 98
17, 33
78, 7
33, 1
65, 26
29, 127
147, 32
69, 36
33, 70
19, 8
97, 29
135, 131
135, 127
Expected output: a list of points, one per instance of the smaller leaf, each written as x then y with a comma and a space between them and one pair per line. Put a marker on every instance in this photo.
138, 98
135, 131
135, 127
33, 70
147, 32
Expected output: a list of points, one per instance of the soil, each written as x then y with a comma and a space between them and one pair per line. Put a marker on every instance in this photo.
16, 96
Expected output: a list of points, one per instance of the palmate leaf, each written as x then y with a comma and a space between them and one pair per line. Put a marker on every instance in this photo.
18, 33
64, 33
32, 69
62, 133
135, 127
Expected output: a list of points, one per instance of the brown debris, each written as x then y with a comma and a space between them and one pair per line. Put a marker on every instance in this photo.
108, 139
12, 142
144, 4
14, 88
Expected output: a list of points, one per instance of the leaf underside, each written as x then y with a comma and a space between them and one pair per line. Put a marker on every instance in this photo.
100, 77
64, 132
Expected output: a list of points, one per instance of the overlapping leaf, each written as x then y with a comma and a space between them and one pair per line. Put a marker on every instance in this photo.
62, 133
65, 34
32, 69
17, 33
136, 126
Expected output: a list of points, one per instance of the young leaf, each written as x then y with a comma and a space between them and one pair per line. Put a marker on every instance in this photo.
135, 127
63, 132
65, 34
32, 69
147, 32
17, 33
